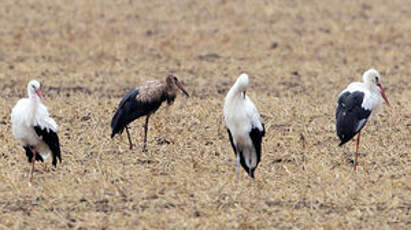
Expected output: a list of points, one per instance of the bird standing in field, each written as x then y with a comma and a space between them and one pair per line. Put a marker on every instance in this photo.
356, 104
34, 129
144, 101
244, 126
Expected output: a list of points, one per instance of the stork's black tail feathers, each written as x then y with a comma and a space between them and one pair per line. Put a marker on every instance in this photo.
52, 140
29, 155
115, 124
123, 117
256, 136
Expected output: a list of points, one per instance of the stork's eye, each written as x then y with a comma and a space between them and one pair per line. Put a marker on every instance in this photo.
34, 87
175, 79
376, 79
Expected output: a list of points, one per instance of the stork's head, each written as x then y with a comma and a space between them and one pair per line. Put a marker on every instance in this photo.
242, 83
373, 80
33, 89
173, 80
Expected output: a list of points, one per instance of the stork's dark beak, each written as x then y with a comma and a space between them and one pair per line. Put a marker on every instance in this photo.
180, 85
38, 92
383, 93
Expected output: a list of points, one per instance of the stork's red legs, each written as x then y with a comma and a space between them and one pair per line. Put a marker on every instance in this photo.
129, 138
237, 168
33, 159
356, 151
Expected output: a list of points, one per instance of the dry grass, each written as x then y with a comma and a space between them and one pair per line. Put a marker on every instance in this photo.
299, 54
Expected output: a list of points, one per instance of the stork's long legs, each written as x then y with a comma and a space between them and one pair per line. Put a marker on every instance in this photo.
33, 159
237, 168
129, 138
356, 151
145, 132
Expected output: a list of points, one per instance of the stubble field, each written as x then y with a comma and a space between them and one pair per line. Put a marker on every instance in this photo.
299, 55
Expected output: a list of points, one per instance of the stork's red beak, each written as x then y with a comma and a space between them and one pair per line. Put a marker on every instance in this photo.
38, 92
180, 85
383, 93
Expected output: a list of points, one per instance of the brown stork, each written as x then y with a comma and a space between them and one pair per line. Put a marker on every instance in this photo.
144, 101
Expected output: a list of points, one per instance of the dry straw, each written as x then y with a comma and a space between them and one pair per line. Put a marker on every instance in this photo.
299, 55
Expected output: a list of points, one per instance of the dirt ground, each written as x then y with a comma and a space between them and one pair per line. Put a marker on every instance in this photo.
299, 55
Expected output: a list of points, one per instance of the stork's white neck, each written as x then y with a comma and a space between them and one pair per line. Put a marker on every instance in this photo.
35, 101
30, 92
233, 100
235, 94
373, 99
370, 85
238, 89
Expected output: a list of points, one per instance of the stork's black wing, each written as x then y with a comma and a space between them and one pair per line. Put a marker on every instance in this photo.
256, 136
350, 116
130, 109
52, 141
122, 114
231, 141
240, 154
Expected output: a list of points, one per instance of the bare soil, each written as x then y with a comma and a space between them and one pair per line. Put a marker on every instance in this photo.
299, 55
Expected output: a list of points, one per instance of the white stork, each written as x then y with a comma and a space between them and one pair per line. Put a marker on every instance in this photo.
356, 104
34, 129
144, 101
244, 126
